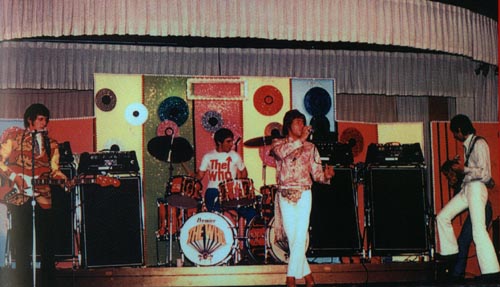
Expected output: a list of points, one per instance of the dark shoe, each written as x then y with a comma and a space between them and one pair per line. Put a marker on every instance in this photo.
489, 278
447, 264
290, 281
309, 280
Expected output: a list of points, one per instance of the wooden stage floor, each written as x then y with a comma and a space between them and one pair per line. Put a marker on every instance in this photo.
249, 275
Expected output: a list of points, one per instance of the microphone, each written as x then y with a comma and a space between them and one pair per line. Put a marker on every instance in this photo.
236, 144
310, 137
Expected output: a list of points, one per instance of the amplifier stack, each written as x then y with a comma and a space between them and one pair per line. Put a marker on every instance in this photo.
112, 215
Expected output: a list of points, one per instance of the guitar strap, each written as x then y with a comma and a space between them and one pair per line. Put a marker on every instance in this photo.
467, 155
491, 183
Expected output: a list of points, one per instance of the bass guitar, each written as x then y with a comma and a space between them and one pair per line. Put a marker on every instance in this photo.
12, 195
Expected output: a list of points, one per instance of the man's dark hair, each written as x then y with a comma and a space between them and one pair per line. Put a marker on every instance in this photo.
463, 123
288, 119
446, 166
222, 134
33, 111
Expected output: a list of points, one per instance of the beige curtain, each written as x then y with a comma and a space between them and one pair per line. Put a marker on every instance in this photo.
420, 24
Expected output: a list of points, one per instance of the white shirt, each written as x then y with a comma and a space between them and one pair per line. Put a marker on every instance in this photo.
479, 166
221, 166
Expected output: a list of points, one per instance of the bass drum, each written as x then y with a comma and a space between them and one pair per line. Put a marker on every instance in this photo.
260, 236
208, 239
279, 250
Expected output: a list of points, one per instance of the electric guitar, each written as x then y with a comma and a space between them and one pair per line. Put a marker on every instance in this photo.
13, 196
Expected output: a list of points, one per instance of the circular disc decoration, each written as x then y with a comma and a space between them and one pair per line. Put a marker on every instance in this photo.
273, 129
317, 101
212, 121
167, 128
105, 100
136, 114
353, 137
268, 100
174, 109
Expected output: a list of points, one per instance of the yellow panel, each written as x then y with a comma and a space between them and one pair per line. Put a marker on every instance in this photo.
112, 126
254, 124
404, 133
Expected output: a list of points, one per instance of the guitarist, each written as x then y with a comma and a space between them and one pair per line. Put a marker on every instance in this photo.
20, 151
451, 170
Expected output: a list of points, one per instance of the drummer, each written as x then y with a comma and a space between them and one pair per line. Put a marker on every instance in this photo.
221, 164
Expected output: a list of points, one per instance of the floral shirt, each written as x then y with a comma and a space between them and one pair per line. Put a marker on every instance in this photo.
297, 163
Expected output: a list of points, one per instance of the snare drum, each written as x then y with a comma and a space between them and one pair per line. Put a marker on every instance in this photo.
236, 193
208, 239
184, 191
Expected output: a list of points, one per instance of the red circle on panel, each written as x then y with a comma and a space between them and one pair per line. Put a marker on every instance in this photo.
268, 100
167, 128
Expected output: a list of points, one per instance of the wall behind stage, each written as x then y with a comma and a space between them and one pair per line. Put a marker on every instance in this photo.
444, 147
134, 111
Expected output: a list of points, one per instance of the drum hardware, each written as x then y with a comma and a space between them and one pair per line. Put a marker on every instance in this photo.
175, 218
171, 149
236, 193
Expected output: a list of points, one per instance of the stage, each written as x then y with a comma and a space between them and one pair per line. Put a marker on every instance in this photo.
249, 275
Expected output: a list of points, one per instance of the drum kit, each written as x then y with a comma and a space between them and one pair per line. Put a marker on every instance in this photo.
216, 238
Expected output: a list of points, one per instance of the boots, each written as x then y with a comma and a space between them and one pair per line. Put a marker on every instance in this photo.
309, 280
290, 281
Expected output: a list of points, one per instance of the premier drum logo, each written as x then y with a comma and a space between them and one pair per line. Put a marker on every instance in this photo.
206, 238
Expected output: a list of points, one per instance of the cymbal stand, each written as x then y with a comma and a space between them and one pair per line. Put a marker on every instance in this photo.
170, 239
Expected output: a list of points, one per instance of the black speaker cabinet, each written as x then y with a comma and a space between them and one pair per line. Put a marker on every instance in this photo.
334, 228
112, 224
397, 210
63, 204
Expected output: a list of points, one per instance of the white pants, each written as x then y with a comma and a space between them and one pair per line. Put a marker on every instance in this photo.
296, 223
473, 196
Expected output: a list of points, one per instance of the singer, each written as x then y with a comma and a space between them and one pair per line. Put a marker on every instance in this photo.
297, 164
25, 154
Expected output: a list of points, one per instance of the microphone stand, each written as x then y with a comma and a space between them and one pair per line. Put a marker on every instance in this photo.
170, 235
33, 204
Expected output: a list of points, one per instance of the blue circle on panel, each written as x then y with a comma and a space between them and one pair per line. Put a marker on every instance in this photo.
317, 101
174, 109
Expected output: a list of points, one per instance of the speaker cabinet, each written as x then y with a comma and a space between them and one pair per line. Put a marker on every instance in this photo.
63, 204
112, 224
334, 228
397, 210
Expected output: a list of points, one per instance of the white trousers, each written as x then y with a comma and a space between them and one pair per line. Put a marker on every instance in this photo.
296, 223
473, 196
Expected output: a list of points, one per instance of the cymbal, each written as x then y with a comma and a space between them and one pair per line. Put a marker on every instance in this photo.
261, 141
179, 148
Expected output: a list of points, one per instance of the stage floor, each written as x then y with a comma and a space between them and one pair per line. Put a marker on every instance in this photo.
250, 275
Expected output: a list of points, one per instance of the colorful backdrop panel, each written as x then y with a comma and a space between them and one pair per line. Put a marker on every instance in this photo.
209, 116
363, 133
81, 139
315, 98
119, 112
263, 111
170, 113
404, 133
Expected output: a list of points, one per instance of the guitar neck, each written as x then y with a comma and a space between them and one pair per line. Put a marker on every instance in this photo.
47, 181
